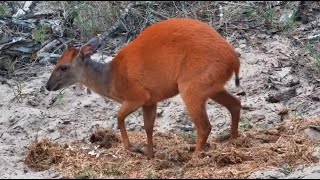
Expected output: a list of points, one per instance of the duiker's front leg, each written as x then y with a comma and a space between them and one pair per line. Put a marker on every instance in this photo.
127, 108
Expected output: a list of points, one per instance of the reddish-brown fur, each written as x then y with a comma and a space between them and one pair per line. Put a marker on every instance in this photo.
176, 56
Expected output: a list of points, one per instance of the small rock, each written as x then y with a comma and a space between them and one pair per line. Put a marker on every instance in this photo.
88, 91
293, 82
247, 107
273, 131
242, 46
313, 133
312, 176
185, 128
42, 89
33, 102
159, 114
258, 117
97, 116
25, 170
12, 119
315, 98
51, 130
52, 116
65, 117
284, 72
136, 127
262, 36
316, 152
275, 98
311, 172
56, 176
242, 93
270, 174
283, 111
6, 136
87, 105
114, 126
66, 122
283, 95
242, 41
45, 61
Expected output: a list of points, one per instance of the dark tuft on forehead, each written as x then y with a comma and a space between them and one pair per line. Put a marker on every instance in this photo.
68, 56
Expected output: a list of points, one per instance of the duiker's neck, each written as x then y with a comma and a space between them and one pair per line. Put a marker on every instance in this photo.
97, 76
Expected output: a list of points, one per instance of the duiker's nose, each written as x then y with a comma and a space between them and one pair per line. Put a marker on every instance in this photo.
47, 87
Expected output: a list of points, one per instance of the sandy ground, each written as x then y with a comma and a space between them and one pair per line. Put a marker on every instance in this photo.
269, 85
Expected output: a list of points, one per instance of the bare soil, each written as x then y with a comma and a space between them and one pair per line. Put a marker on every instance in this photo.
73, 114
56, 134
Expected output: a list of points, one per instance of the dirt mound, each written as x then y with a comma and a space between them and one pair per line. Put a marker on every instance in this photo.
43, 154
253, 150
104, 137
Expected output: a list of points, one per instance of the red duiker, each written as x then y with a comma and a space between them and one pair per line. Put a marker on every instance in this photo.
175, 56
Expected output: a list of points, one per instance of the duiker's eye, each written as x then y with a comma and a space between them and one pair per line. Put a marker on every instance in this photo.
64, 68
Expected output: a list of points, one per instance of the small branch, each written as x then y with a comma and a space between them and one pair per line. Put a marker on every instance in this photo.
317, 36
49, 46
123, 16
158, 14
24, 10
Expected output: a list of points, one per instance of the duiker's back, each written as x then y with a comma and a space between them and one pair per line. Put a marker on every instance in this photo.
178, 50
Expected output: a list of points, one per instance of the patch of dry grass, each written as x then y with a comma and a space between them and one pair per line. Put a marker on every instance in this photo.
93, 17
43, 154
252, 151
96, 17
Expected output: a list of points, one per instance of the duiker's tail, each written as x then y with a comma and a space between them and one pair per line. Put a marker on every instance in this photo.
236, 71
237, 80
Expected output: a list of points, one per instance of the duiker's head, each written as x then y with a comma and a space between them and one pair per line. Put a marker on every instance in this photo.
69, 66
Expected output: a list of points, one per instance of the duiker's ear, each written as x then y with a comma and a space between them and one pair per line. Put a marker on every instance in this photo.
86, 50
68, 45
89, 48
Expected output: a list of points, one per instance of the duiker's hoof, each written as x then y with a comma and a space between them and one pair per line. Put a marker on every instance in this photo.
136, 149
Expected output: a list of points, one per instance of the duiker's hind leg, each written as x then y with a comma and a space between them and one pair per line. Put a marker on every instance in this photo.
233, 105
195, 103
149, 116
138, 97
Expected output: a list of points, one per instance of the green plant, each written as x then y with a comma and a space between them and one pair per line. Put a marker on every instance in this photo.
93, 17
245, 124
17, 90
314, 53
268, 14
263, 126
151, 175
297, 116
287, 168
39, 34
248, 11
85, 174
60, 96
290, 22
9, 66
3, 10
112, 170
190, 137
85, 20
